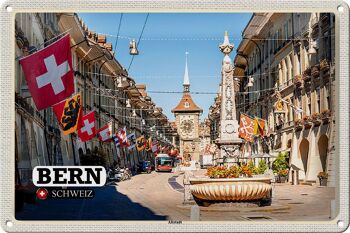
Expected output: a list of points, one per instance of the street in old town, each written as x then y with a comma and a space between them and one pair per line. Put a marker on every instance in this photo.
159, 196
234, 121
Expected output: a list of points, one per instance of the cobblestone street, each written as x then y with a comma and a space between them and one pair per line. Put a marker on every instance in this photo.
159, 196
302, 202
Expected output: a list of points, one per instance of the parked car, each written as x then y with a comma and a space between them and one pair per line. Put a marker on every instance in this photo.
145, 166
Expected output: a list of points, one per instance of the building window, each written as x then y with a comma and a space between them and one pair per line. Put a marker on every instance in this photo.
286, 31
308, 99
300, 105
280, 37
273, 74
299, 70
328, 99
276, 42
263, 83
318, 99
291, 110
290, 32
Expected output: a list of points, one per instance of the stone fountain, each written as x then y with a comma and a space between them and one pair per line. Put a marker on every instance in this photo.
243, 189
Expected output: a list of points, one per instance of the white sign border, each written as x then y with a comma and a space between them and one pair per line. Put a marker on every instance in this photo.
7, 119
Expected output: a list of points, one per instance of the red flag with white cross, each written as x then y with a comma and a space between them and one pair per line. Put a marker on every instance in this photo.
88, 129
49, 73
122, 137
105, 133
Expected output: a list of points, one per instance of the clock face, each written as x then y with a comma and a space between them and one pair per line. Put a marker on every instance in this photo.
186, 126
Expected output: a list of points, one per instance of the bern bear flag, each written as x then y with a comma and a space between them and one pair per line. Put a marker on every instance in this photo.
69, 114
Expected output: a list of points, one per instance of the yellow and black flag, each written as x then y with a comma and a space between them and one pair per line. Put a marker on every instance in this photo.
259, 127
148, 144
140, 143
69, 114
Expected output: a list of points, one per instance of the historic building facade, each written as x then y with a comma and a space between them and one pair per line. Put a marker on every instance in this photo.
37, 135
187, 123
105, 87
291, 59
113, 95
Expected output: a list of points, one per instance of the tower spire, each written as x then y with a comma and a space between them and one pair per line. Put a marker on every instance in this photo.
186, 83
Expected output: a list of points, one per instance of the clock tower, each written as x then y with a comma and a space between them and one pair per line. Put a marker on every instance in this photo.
187, 122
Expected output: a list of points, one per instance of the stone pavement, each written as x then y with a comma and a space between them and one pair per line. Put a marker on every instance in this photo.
159, 196
301, 202
108, 204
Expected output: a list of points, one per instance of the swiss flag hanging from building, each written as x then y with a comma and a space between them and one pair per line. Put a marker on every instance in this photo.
105, 133
49, 73
69, 114
88, 128
122, 137
246, 128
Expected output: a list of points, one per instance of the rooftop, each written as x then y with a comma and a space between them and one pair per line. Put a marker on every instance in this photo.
186, 105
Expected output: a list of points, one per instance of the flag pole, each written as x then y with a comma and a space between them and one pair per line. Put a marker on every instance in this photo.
19, 57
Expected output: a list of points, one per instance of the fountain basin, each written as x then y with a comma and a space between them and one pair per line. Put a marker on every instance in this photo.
230, 189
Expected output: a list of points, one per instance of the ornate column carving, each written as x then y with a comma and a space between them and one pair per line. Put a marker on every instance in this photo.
228, 141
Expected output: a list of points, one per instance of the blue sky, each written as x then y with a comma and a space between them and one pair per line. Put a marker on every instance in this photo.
161, 62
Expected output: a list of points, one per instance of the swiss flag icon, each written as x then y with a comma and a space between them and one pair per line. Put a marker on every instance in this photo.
88, 129
49, 73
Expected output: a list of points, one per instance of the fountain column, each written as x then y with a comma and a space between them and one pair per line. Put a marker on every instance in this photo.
228, 142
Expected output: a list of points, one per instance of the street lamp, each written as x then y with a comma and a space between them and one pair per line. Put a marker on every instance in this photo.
313, 46
250, 82
120, 85
128, 105
133, 48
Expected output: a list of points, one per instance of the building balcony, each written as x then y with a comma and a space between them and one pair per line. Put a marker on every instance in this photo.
307, 74
298, 125
24, 105
315, 71
282, 87
279, 126
325, 116
316, 119
298, 80
307, 122
324, 65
